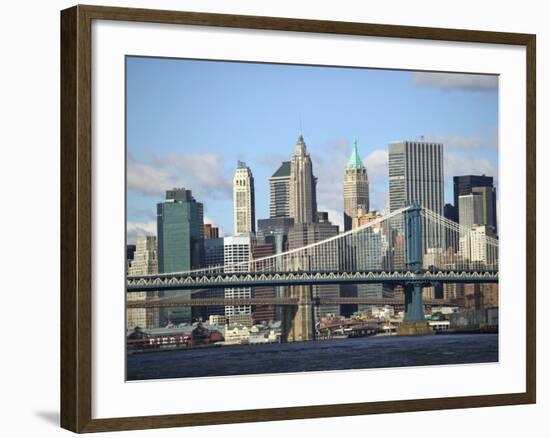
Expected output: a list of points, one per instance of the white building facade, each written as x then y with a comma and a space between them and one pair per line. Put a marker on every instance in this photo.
243, 201
145, 262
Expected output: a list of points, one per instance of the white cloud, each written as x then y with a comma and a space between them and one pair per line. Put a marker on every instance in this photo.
379, 196
200, 173
138, 229
458, 165
455, 141
456, 81
377, 163
328, 167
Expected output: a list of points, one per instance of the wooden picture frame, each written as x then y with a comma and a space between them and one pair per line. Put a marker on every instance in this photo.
76, 217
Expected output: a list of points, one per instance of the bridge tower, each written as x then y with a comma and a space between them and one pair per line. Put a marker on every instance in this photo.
298, 323
414, 322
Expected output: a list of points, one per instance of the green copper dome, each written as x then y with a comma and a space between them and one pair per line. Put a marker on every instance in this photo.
355, 161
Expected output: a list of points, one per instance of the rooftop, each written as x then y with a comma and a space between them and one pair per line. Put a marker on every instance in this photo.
283, 170
355, 161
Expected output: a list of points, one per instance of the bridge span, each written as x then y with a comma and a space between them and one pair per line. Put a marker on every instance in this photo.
411, 247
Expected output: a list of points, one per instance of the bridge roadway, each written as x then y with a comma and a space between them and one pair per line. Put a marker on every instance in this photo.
190, 280
197, 302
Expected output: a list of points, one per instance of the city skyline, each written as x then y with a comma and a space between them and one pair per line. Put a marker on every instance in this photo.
161, 168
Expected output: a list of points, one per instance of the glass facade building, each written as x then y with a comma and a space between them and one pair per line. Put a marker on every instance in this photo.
180, 230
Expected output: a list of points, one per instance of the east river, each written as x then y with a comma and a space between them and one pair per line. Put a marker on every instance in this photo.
337, 354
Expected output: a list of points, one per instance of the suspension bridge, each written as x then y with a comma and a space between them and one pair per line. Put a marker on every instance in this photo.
412, 247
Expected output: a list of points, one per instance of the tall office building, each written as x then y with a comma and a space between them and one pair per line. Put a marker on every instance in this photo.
243, 201
130, 250
470, 215
180, 242
470, 210
463, 185
144, 262
450, 212
279, 191
416, 175
482, 185
236, 254
263, 313
210, 232
302, 198
213, 256
305, 234
488, 206
356, 188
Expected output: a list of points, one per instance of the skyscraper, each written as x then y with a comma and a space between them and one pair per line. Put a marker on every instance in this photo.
302, 199
264, 313
211, 232
488, 206
470, 210
236, 254
469, 215
416, 175
144, 262
243, 201
463, 184
180, 241
356, 188
301, 235
279, 191
482, 185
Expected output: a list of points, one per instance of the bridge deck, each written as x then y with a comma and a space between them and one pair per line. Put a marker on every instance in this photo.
254, 279
199, 302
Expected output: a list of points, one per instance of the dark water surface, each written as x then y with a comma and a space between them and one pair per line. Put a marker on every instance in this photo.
338, 354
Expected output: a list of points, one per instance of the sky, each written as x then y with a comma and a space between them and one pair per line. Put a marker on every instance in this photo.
190, 121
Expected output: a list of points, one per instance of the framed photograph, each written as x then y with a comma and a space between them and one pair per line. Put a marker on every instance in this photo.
270, 218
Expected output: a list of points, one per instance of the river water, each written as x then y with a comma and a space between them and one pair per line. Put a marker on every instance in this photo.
337, 354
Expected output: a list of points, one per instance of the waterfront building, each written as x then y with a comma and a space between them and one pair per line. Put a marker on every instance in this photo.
244, 219
241, 319
454, 292
180, 243
217, 320
279, 192
356, 188
211, 232
480, 295
237, 335
302, 185
144, 262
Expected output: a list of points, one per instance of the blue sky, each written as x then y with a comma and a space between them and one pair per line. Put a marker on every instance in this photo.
190, 121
